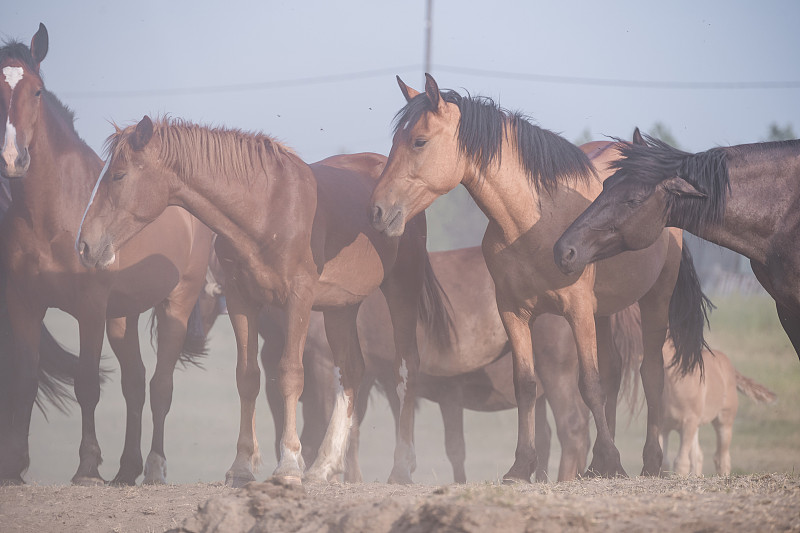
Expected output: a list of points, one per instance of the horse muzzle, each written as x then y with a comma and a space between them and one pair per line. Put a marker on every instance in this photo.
100, 256
15, 165
391, 220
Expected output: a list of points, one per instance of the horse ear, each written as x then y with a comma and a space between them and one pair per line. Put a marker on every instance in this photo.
432, 90
142, 134
637, 138
681, 187
39, 45
407, 91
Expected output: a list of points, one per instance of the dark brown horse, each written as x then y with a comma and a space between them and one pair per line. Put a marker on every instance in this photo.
53, 172
291, 235
746, 198
532, 184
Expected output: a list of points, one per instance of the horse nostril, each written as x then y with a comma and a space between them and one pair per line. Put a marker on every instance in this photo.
570, 254
377, 213
84, 249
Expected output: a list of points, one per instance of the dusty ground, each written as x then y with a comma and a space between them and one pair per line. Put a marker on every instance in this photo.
740, 503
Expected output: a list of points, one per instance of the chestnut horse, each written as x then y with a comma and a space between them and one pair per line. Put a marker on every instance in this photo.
291, 235
53, 172
531, 184
745, 198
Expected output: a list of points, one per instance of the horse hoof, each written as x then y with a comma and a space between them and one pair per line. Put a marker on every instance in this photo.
515, 481
238, 480
154, 481
11, 481
122, 481
287, 480
85, 481
399, 479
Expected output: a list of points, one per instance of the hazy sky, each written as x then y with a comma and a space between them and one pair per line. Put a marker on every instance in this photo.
320, 75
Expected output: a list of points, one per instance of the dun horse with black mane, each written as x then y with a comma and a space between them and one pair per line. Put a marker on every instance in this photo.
532, 184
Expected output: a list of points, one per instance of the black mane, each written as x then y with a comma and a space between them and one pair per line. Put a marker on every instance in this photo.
15, 50
657, 161
547, 158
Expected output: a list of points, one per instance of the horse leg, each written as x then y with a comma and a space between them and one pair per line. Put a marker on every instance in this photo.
87, 392
723, 426
609, 363
560, 385
403, 310
519, 334
663, 441
654, 308
243, 316
352, 469
688, 432
318, 401
26, 327
791, 325
123, 336
696, 456
605, 456
342, 333
172, 317
451, 406
271, 351
543, 437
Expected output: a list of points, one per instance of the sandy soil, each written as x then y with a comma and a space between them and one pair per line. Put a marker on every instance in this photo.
739, 503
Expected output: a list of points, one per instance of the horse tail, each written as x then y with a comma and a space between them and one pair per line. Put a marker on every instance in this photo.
57, 370
434, 310
754, 390
688, 315
626, 336
195, 342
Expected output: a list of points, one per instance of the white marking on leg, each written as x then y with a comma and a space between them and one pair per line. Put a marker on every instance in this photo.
330, 460
402, 387
13, 75
91, 199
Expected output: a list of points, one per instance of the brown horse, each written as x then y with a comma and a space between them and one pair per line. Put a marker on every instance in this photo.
474, 374
291, 235
53, 172
746, 198
531, 184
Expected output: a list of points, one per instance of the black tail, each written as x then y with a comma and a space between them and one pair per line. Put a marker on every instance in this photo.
688, 316
434, 310
195, 343
57, 370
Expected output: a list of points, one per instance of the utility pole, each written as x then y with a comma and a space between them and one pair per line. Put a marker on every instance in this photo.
428, 34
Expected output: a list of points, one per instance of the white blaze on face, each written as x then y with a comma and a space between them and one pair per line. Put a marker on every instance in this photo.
10, 152
402, 386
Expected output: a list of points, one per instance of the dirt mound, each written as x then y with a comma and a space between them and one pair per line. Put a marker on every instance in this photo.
744, 503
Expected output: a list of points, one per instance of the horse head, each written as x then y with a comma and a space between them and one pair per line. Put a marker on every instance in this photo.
21, 90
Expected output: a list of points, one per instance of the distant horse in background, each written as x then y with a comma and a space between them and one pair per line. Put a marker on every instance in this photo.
693, 399
52, 172
291, 235
745, 198
532, 184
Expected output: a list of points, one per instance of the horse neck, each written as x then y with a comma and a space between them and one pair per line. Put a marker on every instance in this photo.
237, 208
513, 205
59, 180
764, 188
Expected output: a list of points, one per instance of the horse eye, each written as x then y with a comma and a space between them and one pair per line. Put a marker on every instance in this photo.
118, 177
419, 143
38, 93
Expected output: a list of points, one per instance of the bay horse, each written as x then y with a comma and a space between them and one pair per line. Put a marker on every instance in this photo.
291, 235
745, 198
474, 373
531, 184
52, 172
